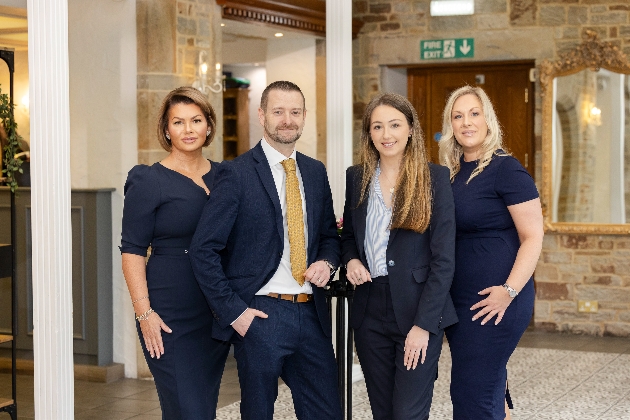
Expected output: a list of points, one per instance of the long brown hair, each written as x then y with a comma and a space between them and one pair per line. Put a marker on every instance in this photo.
413, 199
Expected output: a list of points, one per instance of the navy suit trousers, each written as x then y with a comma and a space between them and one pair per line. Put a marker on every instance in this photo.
395, 393
289, 344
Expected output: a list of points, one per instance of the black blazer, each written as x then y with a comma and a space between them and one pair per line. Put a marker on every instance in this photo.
240, 237
420, 266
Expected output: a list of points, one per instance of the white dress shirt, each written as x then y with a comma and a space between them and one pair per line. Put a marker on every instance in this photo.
282, 281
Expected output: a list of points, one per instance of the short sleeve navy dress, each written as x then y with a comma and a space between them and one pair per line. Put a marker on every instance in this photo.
162, 208
486, 247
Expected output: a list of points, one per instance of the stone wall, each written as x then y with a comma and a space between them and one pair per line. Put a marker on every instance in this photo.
572, 267
580, 267
170, 35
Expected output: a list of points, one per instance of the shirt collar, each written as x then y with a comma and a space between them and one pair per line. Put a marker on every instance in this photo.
273, 156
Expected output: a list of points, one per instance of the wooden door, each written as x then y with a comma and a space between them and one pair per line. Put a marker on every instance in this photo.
506, 83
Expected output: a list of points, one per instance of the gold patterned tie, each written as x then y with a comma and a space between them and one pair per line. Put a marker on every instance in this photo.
295, 221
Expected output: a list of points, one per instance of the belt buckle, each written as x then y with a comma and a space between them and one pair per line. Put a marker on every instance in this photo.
295, 298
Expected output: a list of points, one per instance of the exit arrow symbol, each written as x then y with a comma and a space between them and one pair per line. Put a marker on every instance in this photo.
465, 49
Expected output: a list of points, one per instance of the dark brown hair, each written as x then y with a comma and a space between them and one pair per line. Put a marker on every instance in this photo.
185, 95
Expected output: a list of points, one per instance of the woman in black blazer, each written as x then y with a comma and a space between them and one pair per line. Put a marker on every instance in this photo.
398, 244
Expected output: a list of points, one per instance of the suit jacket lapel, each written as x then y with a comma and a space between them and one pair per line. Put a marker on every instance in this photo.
264, 172
392, 235
361, 212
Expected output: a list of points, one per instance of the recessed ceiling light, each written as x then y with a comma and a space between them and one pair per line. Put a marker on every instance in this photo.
223, 24
279, 34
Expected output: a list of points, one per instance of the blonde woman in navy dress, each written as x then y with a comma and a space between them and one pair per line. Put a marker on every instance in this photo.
499, 239
398, 242
163, 203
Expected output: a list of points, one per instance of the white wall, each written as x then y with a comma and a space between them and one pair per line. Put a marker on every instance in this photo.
257, 76
103, 127
20, 90
248, 50
394, 80
294, 60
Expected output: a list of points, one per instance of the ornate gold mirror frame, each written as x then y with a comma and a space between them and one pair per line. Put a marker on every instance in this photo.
590, 54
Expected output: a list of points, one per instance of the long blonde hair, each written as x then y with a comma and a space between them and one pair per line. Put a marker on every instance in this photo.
451, 151
413, 199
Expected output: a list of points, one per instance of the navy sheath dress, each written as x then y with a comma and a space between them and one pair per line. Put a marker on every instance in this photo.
485, 251
162, 208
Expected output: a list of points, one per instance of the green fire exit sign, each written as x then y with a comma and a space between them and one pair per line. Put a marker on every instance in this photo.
434, 49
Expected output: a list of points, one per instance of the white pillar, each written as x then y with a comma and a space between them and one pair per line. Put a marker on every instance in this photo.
338, 97
339, 113
50, 216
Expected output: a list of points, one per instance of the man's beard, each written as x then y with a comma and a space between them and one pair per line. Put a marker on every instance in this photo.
275, 136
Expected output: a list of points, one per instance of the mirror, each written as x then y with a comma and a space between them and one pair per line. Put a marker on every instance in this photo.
586, 140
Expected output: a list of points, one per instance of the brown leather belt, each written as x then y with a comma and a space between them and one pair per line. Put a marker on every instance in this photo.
301, 298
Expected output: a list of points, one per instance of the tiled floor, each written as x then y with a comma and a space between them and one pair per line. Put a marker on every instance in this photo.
137, 399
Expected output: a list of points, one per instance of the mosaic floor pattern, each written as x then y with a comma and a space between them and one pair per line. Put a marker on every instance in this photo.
545, 384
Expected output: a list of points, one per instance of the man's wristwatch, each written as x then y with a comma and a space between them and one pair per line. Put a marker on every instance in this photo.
333, 269
512, 292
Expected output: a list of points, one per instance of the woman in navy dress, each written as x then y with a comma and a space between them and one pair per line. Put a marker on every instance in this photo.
499, 239
163, 203
398, 242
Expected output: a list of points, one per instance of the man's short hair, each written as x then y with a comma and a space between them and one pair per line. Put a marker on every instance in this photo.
280, 85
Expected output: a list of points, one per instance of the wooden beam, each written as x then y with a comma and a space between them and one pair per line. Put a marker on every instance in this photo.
15, 12
5, 31
304, 15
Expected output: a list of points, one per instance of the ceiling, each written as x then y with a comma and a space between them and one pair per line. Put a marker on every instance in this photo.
235, 29
14, 33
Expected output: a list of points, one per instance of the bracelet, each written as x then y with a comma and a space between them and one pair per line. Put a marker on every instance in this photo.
139, 299
145, 315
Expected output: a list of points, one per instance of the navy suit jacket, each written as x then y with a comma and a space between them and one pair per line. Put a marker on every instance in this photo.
420, 266
239, 240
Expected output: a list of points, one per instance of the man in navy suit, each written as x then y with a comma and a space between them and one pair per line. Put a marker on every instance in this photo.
243, 259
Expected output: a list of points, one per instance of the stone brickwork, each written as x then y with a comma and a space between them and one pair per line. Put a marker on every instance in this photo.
170, 35
572, 267
578, 267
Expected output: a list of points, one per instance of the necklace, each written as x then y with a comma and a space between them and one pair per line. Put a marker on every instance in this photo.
391, 190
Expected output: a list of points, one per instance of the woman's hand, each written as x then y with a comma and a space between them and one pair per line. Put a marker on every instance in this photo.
495, 304
356, 272
416, 344
152, 333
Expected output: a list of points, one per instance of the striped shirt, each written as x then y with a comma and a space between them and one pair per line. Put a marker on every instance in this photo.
377, 229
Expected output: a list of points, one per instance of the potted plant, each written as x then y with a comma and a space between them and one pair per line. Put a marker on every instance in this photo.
10, 140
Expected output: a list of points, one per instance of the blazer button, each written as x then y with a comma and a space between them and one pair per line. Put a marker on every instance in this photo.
391, 263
